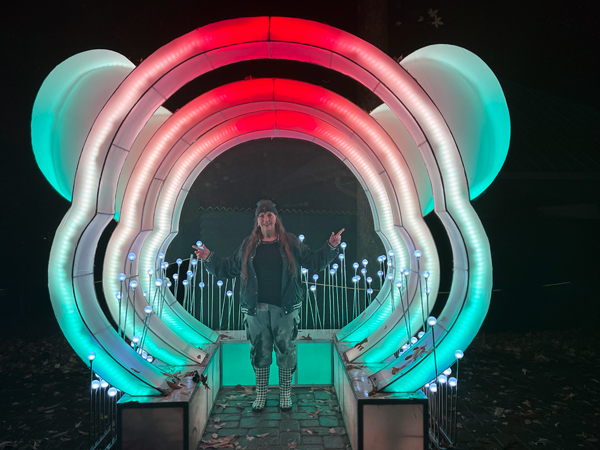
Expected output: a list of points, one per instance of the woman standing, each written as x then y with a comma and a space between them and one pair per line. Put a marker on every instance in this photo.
270, 262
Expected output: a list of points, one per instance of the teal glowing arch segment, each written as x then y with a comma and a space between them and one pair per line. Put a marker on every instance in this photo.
65, 108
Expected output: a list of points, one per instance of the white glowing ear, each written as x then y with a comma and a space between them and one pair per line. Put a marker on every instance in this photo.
67, 105
470, 98
65, 108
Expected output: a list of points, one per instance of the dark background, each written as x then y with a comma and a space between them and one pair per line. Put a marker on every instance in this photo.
541, 214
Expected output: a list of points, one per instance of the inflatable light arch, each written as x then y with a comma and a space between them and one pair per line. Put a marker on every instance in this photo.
439, 140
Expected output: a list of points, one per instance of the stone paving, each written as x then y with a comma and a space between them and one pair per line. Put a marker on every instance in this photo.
314, 423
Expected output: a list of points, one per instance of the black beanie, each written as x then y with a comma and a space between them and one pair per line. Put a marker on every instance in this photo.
263, 206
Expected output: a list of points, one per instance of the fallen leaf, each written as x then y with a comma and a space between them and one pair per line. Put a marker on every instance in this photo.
262, 435
332, 430
306, 430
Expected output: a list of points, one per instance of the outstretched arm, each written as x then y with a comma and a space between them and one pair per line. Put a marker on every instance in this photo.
318, 260
335, 239
229, 267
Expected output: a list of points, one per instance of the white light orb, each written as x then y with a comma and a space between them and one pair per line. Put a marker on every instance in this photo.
144, 293
179, 261
433, 387
121, 277
421, 334
413, 340
380, 259
104, 384
144, 354
133, 284
304, 270
390, 276
185, 282
341, 256
343, 245
201, 284
150, 272
301, 237
418, 254
148, 309
91, 356
229, 293
158, 282
405, 347
118, 295
431, 321
131, 256
442, 379
369, 291
315, 277
335, 266
380, 273
160, 256
363, 271
365, 262
194, 262
112, 392
426, 274
168, 283
189, 273
399, 284
452, 382
391, 253
428, 290
175, 276
199, 244
332, 272
219, 283
448, 371
150, 358
406, 272
458, 354
389, 263
95, 384
313, 288
355, 265
165, 265
136, 339
369, 280
356, 279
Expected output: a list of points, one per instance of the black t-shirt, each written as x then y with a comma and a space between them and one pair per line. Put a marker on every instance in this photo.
269, 270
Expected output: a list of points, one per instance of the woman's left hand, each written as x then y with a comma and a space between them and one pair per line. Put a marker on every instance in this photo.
335, 239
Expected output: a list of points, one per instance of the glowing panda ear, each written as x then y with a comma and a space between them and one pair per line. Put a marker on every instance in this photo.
65, 108
67, 105
470, 98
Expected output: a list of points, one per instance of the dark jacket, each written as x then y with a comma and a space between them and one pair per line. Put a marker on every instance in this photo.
292, 291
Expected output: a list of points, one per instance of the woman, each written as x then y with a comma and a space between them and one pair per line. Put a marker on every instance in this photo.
270, 262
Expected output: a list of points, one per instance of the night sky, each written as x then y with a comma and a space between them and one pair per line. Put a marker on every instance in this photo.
544, 49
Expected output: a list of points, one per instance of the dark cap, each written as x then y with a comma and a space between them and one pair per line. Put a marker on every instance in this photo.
264, 206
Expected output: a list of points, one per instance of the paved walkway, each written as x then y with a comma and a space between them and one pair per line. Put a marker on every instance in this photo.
315, 422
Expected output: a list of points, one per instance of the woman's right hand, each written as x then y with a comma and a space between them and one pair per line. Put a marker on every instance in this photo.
201, 252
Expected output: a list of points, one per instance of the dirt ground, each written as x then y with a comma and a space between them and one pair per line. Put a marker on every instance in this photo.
536, 390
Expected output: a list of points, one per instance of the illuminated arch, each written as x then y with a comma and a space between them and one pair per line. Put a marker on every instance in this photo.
123, 117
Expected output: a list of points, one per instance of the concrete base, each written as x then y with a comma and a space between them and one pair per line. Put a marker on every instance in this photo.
174, 422
378, 421
373, 421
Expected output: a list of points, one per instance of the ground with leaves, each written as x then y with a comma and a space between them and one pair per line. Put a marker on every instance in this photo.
517, 391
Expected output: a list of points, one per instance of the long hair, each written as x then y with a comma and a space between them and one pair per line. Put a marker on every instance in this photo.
255, 237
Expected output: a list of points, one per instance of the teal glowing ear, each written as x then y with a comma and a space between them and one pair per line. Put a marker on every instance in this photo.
472, 103
67, 105
65, 108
